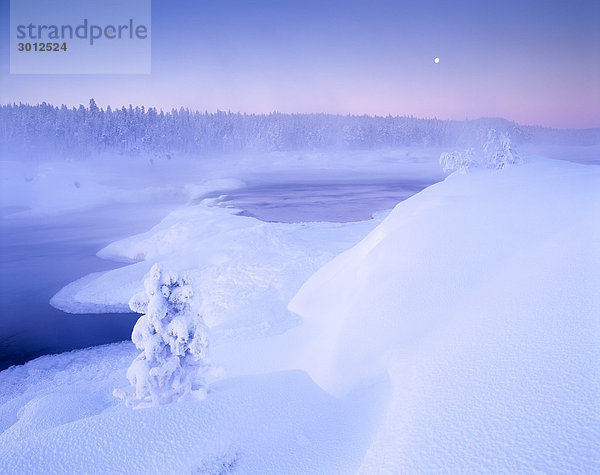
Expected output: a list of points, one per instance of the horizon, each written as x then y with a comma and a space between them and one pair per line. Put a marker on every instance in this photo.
246, 113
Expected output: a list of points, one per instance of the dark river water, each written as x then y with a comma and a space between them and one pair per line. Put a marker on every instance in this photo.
39, 256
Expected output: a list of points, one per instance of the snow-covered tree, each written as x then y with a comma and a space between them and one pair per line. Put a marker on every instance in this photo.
173, 339
499, 151
496, 152
458, 161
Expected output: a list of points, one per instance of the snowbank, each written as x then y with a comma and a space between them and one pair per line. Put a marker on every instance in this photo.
245, 271
478, 297
58, 415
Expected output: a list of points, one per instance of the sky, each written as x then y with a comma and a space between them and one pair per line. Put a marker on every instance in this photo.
534, 61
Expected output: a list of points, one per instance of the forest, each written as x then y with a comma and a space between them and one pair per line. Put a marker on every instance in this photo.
32, 130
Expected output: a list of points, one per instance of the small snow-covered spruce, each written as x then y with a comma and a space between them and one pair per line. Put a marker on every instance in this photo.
173, 339
496, 152
457, 161
499, 151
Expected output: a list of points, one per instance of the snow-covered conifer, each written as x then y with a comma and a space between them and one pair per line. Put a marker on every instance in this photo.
499, 151
173, 339
458, 161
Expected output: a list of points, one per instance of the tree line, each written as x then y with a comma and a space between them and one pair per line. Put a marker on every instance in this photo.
82, 131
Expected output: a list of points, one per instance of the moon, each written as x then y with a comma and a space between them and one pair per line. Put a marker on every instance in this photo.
436, 60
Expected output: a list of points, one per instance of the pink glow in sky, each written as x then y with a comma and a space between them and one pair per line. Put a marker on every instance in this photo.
534, 62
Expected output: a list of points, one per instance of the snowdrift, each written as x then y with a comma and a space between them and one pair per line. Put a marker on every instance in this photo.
479, 299
245, 271
57, 415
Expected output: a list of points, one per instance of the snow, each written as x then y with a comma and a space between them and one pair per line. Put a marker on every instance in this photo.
244, 270
457, 333
59, 227
478, 297
275, 423
36, 189
497, 152
174, 343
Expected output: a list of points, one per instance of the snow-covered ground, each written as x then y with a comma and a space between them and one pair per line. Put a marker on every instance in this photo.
459, 333
58, 415
479, 299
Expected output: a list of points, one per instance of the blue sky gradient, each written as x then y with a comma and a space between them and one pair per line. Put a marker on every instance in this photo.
536, 62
